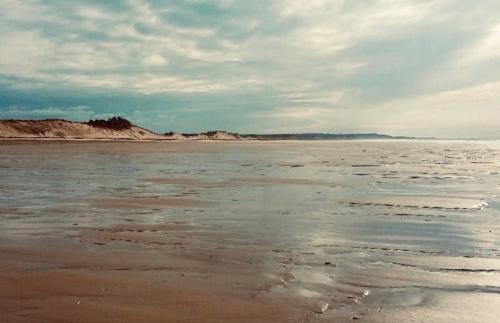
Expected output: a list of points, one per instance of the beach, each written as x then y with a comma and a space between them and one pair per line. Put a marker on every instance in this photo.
249, 231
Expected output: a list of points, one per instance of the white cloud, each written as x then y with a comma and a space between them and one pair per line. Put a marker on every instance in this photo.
146, 83
307, 118
301, 113
155, 60
325, 98
93, 13
331, 26
114, 58
484, 49
467, 112
464, 113
22, 52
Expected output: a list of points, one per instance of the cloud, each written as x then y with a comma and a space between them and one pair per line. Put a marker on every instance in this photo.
484, 49
43, 42
332, 26
146, 83
466, 112
306, 118
22, 51
154, 60
326, 65
328, 97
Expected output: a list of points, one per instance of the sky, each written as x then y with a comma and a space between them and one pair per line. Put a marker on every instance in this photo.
401, 67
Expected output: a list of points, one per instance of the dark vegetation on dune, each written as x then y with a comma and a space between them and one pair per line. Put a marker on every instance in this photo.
114, 123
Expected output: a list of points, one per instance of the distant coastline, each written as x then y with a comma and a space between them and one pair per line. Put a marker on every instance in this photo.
117, 128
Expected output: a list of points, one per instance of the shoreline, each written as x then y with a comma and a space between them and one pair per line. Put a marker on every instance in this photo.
130, 140
117, 128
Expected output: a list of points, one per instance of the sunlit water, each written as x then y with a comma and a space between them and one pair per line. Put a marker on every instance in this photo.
411, 227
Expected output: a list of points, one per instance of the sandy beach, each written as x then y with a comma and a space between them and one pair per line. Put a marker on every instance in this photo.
112, 276
249, 231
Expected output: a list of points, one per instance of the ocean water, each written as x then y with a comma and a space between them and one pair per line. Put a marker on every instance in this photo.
381, 231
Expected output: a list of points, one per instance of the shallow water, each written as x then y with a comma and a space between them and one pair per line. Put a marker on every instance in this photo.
387, 231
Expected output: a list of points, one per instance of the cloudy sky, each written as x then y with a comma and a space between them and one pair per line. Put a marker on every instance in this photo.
421, 68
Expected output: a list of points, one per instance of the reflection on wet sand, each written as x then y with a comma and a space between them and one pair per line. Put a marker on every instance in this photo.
376, 231
76, 283
188, 182
195, 183
144, 202
285, 181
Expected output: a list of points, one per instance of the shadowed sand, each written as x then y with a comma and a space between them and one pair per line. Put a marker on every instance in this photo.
125, 296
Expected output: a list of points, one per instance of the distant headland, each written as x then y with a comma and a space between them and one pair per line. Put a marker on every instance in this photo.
117, 128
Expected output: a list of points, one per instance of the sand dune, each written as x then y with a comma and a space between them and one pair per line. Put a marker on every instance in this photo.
53, 129
118, 128
209, 135
63, 129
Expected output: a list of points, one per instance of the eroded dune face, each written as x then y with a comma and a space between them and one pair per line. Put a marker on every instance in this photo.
95, 129
69, 130
210, 135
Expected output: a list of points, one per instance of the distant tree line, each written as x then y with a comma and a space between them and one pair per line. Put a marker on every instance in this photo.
114, 123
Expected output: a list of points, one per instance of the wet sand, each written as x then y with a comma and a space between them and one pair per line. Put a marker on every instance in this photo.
107, 283
140, 202
142, 273
249, 232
